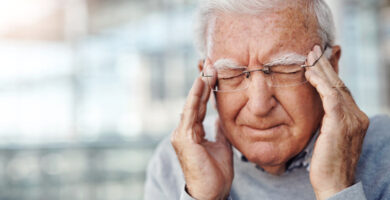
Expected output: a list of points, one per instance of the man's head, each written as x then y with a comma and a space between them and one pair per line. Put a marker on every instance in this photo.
269, 125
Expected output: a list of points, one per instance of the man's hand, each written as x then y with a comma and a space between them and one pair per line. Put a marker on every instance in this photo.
207, 166
344, 125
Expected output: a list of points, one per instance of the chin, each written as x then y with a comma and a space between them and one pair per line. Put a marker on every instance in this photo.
265, 154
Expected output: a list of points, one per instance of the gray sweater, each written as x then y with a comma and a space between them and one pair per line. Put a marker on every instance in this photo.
165, 179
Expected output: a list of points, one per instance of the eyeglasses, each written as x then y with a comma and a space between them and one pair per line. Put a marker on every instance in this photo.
237, 79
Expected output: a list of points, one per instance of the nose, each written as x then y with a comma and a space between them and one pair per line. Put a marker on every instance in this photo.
260, 94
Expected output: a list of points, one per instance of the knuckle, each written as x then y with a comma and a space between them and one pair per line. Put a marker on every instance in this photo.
365, 121
333, 93
360, 123
189, 131
337, 108
339, 84
176, 137
202, 112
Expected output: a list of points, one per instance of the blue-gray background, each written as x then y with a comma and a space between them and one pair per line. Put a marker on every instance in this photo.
89, 87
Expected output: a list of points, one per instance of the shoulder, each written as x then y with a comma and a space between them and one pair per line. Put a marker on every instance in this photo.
380, 123
373, 168
164, 176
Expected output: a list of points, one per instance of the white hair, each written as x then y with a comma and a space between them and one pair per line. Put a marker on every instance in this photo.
206, 17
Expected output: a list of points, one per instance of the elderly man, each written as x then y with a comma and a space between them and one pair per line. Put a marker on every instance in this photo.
288, 127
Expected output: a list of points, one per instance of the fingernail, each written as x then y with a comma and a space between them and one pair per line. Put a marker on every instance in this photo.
310, 58
317, 49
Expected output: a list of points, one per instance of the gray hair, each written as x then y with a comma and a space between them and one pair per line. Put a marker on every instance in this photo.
206, 17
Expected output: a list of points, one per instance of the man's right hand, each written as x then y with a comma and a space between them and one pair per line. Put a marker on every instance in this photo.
207, 166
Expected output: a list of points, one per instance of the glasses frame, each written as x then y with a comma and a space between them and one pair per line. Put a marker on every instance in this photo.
266, 70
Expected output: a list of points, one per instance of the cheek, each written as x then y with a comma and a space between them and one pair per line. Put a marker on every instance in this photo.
229, 105
303, 105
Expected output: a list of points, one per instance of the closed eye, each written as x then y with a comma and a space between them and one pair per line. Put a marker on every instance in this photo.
293, 72
231, 77
292, 69
228, 73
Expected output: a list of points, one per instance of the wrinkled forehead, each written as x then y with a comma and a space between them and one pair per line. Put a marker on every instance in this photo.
264, 35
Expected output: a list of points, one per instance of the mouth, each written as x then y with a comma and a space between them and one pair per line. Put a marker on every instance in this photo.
263, 128
263, 133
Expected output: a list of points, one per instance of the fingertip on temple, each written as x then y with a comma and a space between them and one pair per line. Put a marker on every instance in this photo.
197, 88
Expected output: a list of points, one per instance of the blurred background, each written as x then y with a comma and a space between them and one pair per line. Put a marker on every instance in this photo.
89, 87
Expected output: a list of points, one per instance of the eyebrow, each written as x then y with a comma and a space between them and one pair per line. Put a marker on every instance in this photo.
287, 59
227, 63
281, 59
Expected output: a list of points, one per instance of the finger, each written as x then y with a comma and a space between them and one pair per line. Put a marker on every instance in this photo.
326, 70
209, 84
330, 97
334, 80
198, 133
311, 58
210, 71
205, 96
191, 108
325, 66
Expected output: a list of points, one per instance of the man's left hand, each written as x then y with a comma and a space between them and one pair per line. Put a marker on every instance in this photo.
344, 125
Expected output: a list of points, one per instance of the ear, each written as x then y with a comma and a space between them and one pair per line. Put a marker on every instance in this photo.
334, 59
200, 65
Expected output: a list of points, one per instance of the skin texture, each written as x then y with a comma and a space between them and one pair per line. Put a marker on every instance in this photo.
249, 115
271, 125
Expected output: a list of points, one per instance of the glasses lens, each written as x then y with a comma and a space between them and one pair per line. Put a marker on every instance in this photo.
230, 80
283, 76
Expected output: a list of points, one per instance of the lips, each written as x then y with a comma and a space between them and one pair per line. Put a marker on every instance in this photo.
263, 132
262, 128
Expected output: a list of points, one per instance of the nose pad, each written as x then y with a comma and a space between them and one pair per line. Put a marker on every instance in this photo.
265, 71
247, 74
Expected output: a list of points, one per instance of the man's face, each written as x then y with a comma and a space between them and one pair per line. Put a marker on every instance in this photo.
269, 125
